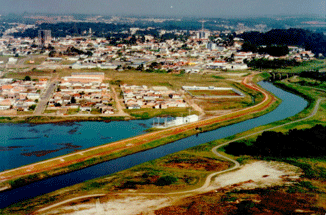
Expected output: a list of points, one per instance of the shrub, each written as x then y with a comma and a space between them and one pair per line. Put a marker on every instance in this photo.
166, 180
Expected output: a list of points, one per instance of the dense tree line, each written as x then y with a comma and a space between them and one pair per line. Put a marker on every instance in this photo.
273, 50
295, 143
72, 51
263, 63
73, 29
316, 42
321, 76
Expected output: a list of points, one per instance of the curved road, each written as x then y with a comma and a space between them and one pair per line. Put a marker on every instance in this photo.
30, 168
208, 178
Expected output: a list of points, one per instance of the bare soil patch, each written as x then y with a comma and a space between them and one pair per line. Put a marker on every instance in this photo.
261, 201
261, 176
207, 164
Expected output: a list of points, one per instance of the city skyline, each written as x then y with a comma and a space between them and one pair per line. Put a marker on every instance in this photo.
208, 8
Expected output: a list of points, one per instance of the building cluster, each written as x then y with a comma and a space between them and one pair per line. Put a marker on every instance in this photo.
10, 46
20, 95
201, 50
83, 92
137, 97
300, 54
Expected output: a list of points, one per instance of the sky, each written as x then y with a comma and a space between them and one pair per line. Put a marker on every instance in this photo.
198, 8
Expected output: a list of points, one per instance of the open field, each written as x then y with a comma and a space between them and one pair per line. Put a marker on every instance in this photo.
224, 103
305, 66
33, 73
37, 60
145, 113
209, 93
133, 77
171, 81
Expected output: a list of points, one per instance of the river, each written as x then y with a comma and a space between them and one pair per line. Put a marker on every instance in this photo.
290, 106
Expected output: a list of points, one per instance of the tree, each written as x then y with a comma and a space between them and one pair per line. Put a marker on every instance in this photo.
52, 53
89, 53
73, 100
140, 67
166, 180
32, 107
27, 78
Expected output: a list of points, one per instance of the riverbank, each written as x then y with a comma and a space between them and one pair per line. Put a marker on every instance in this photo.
82, 159
60, 119
133, 176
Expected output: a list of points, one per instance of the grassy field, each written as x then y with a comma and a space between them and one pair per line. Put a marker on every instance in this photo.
34, 74
213, 93
37, 61
305, 66
171, 81
251, 98
146, 113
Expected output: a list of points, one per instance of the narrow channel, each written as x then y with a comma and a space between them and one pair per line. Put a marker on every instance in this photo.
290, 106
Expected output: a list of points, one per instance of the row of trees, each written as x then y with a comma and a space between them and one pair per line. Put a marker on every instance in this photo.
295, 143
320, 76
316, 42
273, 50
263, 63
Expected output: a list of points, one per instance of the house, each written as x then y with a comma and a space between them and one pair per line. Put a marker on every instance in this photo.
135, 106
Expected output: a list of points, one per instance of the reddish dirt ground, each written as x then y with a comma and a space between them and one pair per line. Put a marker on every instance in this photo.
198, 164
264, 201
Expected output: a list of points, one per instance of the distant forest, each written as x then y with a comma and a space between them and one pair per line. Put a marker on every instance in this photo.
316, 42
273, 64
73, 29
295, 143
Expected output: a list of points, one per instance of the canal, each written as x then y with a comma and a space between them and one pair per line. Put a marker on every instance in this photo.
290, 106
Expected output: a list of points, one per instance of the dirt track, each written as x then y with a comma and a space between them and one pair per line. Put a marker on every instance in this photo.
139, 140
258, 174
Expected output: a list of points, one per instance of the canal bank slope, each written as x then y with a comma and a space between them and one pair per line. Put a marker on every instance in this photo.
88, 157
290, 106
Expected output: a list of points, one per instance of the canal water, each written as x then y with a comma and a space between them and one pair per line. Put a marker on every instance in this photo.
290, 106
22, 144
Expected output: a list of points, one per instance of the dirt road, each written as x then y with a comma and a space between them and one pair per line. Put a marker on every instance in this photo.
142, 139
247, 175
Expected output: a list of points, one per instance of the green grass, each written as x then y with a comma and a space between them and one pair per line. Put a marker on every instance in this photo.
305, 66
185, 178
72, 111
153, 176
37, 61
146, 113
218, 77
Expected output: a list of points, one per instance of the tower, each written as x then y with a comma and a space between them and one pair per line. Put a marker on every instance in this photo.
44, 37
203, 34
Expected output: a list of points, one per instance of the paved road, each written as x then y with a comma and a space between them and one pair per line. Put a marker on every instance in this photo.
45, 98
